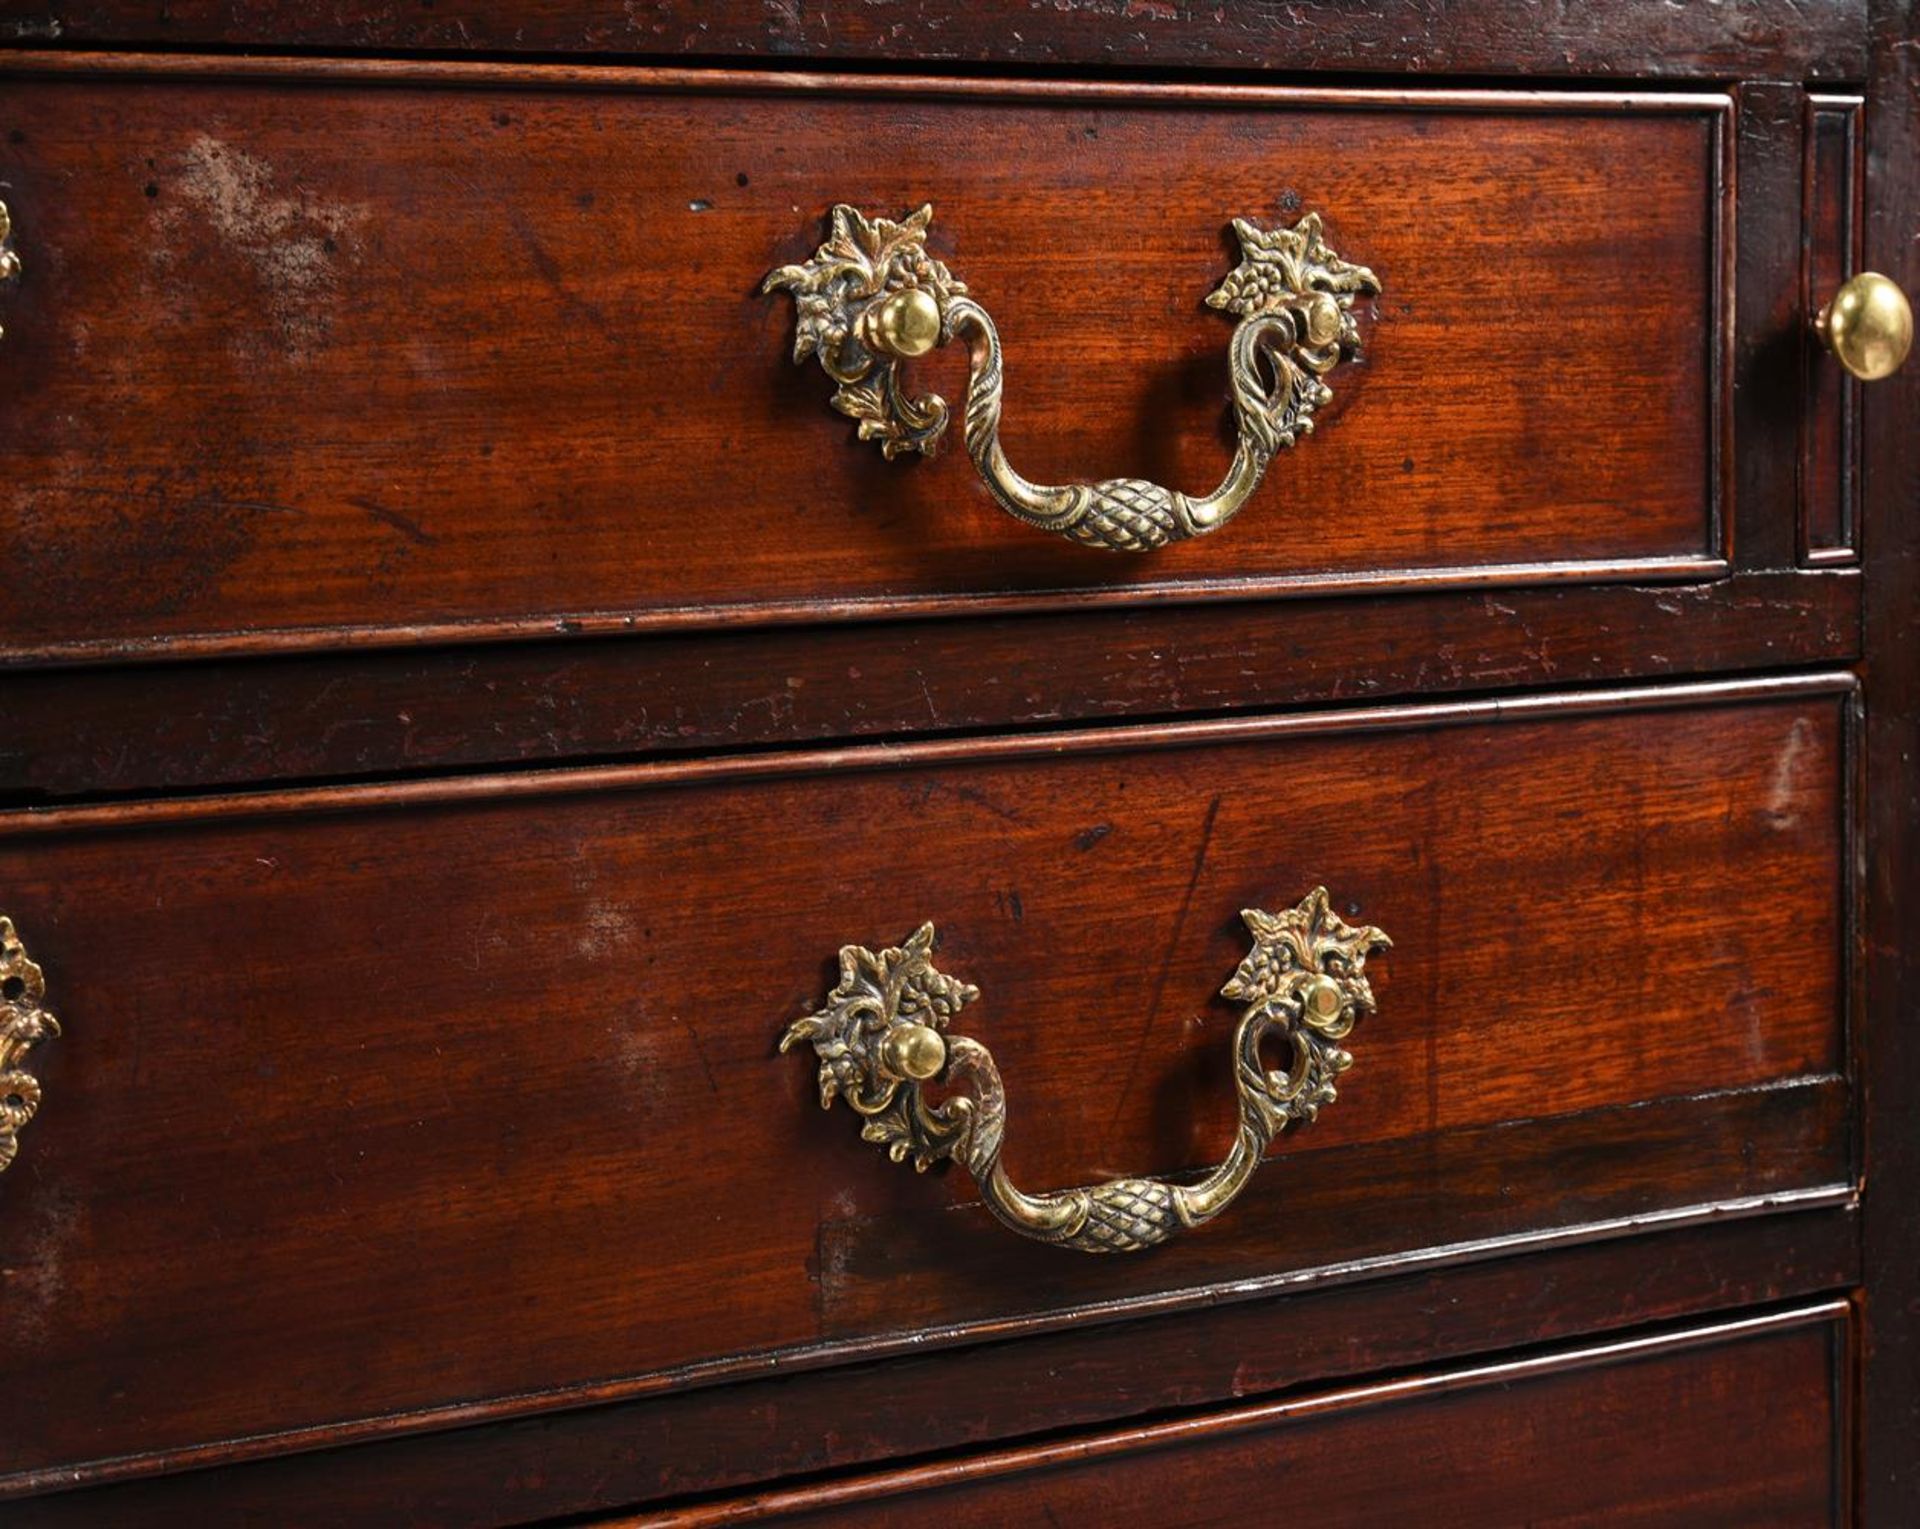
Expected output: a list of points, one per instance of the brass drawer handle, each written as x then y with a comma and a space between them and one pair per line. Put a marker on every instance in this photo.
23, 1025
1868, 326
9, 271
872, 298
884, 1033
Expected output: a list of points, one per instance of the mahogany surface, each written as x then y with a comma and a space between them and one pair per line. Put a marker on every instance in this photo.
1890, 954
72, 733
1396, 1318
1759, 39
478, 354
1742, 1425
459, 682
501, 1051
1830, 430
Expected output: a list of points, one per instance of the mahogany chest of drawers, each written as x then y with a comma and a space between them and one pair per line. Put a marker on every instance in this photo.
488, 746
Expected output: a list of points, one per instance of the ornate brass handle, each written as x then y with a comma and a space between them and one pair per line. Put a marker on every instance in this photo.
1868, 326
23, 1025
9, 269
872, 298
884, 1033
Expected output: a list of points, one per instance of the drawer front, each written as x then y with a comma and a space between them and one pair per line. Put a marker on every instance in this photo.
1740, 1424
1776, 40
344, 354
408, 1100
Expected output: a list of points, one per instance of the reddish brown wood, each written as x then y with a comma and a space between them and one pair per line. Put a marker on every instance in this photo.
595, 1459
1766, 380
1830, 253
1471, 1191
333, 357
1749, 1432
72, 733
1788, 39
1890, 1040
415, 1150
501, 1053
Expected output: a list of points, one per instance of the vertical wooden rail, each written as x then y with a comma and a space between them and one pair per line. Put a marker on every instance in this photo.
1889, 1036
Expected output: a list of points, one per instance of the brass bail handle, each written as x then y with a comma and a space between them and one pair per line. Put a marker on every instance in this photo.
886, 1030
871, 299
1868, 325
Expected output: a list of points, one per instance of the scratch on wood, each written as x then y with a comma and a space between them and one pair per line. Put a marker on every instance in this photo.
699, 1051
549, 272
1166, 963
406, 525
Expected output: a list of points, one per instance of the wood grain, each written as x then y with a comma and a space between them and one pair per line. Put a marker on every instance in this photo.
501, 1059
71, 733
1750, 1432
597, 1458
1774, 39
1768, 388
415, 1150
1888, 1038
1830, 253
307, 359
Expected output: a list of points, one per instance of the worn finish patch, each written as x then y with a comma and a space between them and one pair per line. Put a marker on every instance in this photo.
296, 244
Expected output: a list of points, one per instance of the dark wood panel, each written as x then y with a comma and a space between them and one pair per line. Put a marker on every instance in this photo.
387, 1098
1889, 1039
599, 1458
1360, 1208
1766, 371
1785, 39
1740, 1424
75, 732
1830, 253
332, 356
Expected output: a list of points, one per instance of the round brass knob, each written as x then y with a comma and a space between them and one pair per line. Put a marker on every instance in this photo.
1868, 326
1321, 999
1323, 320
907, 324
914, 1051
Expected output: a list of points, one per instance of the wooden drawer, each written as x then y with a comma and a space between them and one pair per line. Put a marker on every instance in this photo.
1743, 1423
1775, 40
418, 1103
320, 353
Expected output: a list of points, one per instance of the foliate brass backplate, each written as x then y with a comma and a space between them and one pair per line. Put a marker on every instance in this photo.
24, 1023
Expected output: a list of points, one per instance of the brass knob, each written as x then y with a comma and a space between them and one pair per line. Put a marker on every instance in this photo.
1868, 326
915, 1051
1321, 1000
907, 324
